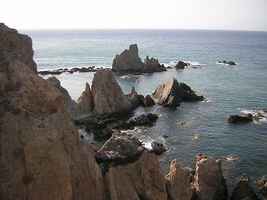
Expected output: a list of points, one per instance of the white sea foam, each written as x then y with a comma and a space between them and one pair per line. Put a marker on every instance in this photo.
259, 116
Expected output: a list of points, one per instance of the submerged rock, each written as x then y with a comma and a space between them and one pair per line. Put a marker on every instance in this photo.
227, 62
70, 104
130, 62
181, 65
107, 95
17, 45
172, 93
209, 182
243, 190
235, 119
85, 104
179, 182
141, 179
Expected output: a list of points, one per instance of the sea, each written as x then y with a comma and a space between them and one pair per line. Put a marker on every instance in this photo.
192, 128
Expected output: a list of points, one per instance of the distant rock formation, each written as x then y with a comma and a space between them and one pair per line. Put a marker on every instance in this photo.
70, 104
17, 45
85, 104
130, 62
181, 65
107, 95
172, 93
227, 62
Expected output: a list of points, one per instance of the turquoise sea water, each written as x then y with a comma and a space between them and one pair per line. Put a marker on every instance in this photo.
194, 127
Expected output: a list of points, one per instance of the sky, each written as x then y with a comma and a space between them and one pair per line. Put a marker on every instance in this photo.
131, 14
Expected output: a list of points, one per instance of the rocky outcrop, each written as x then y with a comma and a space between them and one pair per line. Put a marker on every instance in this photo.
17, 45
172, 93
158, 148
130, 62
69, 103
152, 65
40, 155
139, 180
237, 119
148, 101
181, 65
209, 182
85, 104
135, 98
107, 95
120, 148
71, 70
243, 190
262, 186
179, 182
227, 62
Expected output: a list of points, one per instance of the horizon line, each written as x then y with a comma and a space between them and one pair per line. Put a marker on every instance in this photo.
139, 29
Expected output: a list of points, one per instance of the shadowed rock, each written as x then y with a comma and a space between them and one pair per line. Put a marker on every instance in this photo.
237, 119
181, 65
17, 45
85, 102
172, 93
243, 190
107, 95
130, 62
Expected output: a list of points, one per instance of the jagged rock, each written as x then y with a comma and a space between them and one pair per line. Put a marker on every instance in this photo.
181, 65
148, 101
243, 190
139, 180
179, 182
152, 65
209, 182
146, 119
135, 98
120, 148
85, 102
40, 155
107, 94
172, 93
70, 104
158, 148
19, 45
235, 119
130, 62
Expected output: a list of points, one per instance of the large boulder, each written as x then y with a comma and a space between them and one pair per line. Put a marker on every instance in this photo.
179, 182
40, 153
85, 104
107, 95
181, 65
243, 190
128, 61
120, 148
41, 157
70, 104
19, 45
209, 182
172, 93
139, 180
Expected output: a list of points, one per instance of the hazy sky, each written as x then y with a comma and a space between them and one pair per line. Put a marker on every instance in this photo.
173, 14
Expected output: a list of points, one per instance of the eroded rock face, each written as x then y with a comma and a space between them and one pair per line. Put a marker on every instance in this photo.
209, 182
243, 190
41, 157
70, 104
179, 182
85, 102
19, 45
107, 94
138, 180
172, 93
128, 61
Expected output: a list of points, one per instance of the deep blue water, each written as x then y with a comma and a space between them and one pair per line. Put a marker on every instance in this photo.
228, 89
